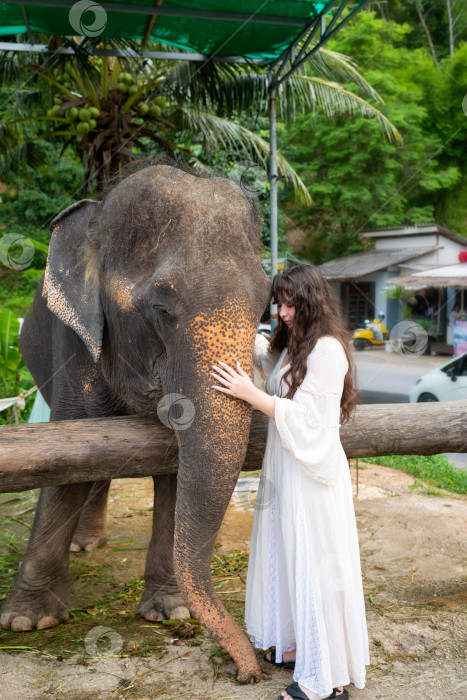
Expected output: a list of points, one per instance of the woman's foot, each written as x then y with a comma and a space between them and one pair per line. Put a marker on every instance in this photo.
310, 694
287, 656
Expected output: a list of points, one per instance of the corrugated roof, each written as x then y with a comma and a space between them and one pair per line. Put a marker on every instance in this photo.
415, 230
447, 276
358, 265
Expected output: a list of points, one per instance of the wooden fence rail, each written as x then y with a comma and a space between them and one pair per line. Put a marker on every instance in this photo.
68, 452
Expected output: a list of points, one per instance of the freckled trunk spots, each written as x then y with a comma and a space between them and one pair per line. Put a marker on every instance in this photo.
210, 459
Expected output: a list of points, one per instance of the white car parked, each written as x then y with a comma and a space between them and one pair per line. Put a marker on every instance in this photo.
445, 383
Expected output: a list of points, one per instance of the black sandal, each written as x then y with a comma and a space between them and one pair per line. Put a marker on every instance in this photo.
282, 664
343, 696
297, 693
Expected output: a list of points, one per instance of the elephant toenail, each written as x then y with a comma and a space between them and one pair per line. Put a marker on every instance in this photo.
21, 624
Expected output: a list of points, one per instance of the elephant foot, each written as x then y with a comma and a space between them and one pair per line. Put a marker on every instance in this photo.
86, 541
157, 606
34, 609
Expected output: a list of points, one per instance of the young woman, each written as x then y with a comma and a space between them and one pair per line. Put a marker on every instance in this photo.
304, 587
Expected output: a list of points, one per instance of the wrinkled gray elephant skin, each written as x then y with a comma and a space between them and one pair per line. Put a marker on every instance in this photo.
142, 293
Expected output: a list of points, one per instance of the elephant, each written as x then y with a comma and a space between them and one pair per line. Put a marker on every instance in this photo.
142, 293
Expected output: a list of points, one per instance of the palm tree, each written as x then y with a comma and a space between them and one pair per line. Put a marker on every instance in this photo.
110, 107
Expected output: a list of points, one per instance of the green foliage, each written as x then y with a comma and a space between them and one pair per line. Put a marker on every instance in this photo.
14, 377
434, 469
358, 180
396, 292
10, 356
17, 289
28, 205
218, 115
234, 562
36, 196
436, 18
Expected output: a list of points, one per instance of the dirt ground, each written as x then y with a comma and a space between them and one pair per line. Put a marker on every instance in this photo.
412, 555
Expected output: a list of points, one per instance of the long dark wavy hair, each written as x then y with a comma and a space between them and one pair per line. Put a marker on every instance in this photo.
316, 314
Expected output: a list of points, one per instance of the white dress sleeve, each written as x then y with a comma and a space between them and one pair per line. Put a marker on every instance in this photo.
263, 361
308, 424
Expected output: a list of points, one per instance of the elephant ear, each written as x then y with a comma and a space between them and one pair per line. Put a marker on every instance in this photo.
71, 281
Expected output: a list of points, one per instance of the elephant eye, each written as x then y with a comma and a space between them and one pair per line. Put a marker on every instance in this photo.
160, 309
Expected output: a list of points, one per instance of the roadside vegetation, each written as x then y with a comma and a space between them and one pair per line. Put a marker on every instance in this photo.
15, 377
435, 470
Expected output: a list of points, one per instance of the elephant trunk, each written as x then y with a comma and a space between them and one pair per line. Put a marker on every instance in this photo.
212, 451
203, 493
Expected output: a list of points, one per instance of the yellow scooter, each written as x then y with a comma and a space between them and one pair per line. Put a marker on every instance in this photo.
374, 333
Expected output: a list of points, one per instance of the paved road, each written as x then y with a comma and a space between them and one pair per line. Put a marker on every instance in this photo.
387, 377
458, 459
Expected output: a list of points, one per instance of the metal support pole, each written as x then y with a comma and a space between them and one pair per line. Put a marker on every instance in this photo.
323, 26
273, 188
273, 179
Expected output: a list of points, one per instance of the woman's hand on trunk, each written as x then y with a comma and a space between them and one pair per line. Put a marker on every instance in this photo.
238, 384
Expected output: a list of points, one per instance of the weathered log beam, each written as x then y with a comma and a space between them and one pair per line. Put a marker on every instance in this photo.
47, 454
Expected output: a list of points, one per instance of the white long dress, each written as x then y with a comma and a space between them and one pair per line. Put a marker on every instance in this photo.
304, 585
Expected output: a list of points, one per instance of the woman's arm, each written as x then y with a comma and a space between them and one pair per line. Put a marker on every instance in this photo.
308, 425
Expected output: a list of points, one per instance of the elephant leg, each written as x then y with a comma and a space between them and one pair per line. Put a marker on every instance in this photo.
90, 532
162, 598
39, 597
201, 505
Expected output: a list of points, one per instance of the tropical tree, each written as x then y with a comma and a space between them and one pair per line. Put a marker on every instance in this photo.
114, 109
359, 181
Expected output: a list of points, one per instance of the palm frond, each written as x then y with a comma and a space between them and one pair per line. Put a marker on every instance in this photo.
234, 136
199, 166
244, 87
334, 66
207, 84
20, 156
334, 99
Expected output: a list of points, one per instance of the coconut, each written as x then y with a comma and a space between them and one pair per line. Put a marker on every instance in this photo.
84, 114
72, 113
155, 110
83, 127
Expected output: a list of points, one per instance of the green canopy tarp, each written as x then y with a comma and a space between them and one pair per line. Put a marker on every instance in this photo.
255, 29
